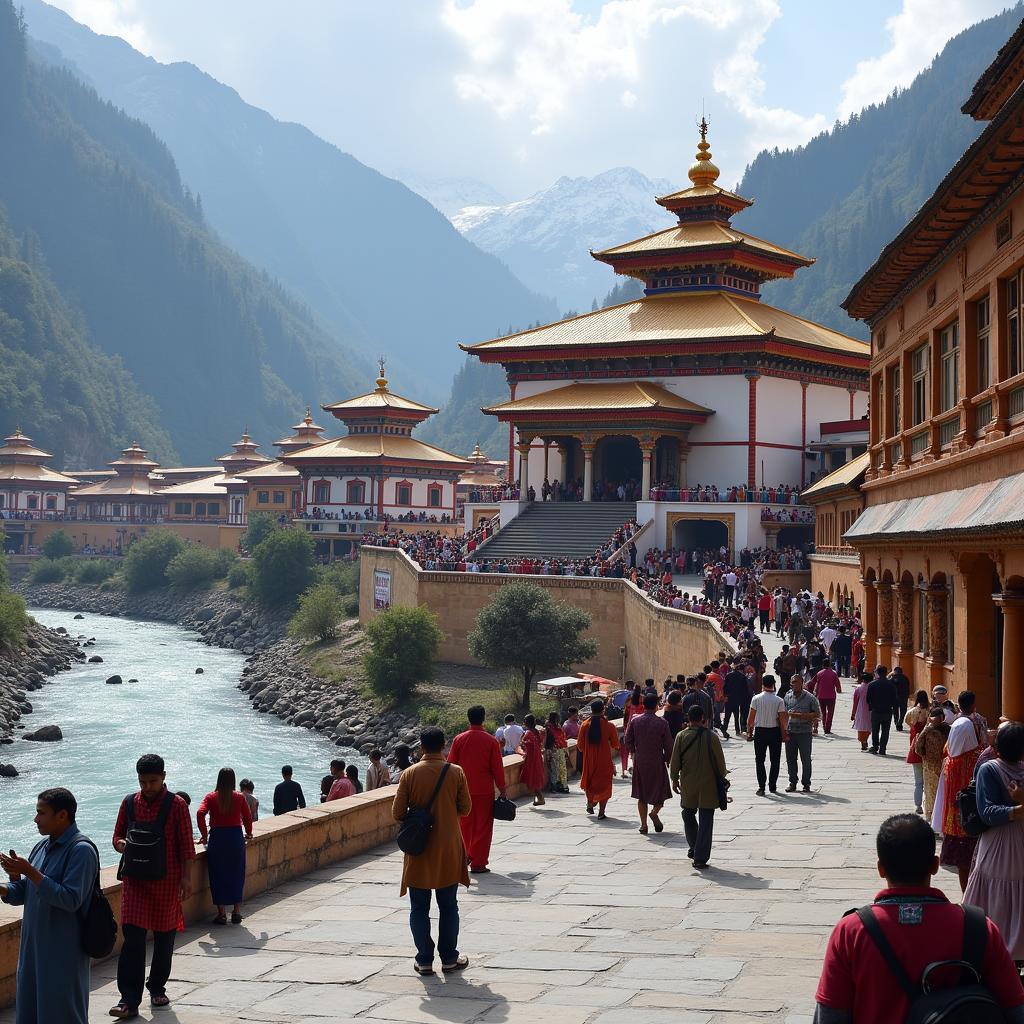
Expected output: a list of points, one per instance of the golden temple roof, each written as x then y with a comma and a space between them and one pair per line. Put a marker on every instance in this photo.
369, 446
273, 471
603, 397
689, 317
122, 487
699, 235
845, 476
18, 446
28, 472
305, 434
133, 458
205, 487
245, 451
379, 398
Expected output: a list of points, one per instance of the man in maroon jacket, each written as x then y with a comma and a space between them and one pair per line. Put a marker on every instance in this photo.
478, 754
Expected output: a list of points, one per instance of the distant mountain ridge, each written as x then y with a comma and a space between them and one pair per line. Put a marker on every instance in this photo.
545, 238
374, 260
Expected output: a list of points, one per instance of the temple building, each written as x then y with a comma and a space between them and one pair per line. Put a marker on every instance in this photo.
483, 484
696, 390
941, 538
377, 472
30, 492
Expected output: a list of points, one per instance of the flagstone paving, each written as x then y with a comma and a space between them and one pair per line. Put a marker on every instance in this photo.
581, 921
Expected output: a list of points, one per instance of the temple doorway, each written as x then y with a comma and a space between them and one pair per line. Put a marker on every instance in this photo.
700, 535
619, 460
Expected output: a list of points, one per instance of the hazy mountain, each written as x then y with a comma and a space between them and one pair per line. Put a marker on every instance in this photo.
95, 199
450, 195
845, 194
545, 239
367, 254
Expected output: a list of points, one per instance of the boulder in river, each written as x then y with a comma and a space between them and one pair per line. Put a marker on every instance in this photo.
114, 680
133, 680
199, 672
47, 734
8, 771
79, 616
95, 659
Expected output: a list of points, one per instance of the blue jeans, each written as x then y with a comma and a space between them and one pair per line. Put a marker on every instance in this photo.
918, 784
447, 926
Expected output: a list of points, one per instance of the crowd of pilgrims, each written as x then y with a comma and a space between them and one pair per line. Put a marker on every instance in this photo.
371, 515
632, 490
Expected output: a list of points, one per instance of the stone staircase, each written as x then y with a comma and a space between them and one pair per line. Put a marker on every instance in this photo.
570, 529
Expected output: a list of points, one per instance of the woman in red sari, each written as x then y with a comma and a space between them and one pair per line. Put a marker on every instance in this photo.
531, 775
598, 738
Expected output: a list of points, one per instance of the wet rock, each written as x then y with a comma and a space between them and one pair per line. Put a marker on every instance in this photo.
133, 680
205, 614
8, 771
114, 680
79, 616
199, 672
47, 734
95, 660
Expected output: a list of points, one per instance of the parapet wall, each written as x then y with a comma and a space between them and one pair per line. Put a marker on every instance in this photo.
282, 848
658, 641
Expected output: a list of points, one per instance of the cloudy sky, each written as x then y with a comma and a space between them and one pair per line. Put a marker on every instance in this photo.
519, 92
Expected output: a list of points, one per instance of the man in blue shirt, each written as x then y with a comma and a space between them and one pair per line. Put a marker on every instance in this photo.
53, 884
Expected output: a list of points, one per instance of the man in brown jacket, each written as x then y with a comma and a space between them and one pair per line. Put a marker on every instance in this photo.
442, 865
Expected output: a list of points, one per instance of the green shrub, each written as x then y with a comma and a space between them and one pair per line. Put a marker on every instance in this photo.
282, 567
46, 570
320, 609
13, 620
193, 567
343, 576
58, 545
261, 526
145, 565
350, 605
94, 570
403, 646
226, 560
238, 575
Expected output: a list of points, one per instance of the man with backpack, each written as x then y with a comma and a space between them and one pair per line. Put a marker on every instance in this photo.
153, 834
899, 960
55, 885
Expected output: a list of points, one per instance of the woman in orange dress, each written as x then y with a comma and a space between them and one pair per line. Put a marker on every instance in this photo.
598, 738
531, 775
633, 706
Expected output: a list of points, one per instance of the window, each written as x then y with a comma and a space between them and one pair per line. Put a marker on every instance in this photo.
213, 508
435, 495
3, 499
895, 402
1004, 230
263, 497
51, 502
183, 508
200, 508
1014, 337
356, 492
949, 366
115, 510
983, 312
322, 493
919, 384
403, 494
278, 497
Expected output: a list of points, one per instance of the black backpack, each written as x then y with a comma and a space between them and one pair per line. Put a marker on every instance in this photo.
145, 853
968, 1002
99, 929
414, 832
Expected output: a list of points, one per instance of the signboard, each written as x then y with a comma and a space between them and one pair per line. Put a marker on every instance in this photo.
381, 589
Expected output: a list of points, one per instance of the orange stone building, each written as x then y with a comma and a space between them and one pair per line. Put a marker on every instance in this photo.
941, 538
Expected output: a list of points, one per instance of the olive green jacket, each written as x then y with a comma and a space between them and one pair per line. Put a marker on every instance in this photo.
691, 767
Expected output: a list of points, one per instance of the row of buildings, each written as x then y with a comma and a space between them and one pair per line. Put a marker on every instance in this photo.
336, 488
925, 529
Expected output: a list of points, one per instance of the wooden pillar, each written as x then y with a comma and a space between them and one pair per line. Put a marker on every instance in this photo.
870, 619
752, 379
588, 470
938, 632
1011, 604
547, 450
647, 452
803, 435
511, 429
884, 643
524, 467
684, 452
905, 628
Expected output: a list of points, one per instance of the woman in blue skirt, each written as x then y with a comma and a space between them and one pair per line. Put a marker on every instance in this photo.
225, 846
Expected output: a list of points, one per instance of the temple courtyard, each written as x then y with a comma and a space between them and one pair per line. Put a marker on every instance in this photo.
580, 920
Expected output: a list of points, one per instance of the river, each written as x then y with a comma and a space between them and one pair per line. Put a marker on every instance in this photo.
197, 723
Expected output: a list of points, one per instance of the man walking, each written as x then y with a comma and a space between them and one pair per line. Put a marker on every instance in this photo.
826, 685
441, 867
737, 697
802, 710
882, 700
696, 764
54, 883
478, 754
730, 579
842, 649
767, 728
764, 610
649, 739
287, 793
151, 892
902, 684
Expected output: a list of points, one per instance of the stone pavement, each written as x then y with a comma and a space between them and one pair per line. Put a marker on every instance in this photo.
586, 922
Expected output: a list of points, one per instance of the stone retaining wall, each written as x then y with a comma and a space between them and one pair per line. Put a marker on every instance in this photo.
282, 848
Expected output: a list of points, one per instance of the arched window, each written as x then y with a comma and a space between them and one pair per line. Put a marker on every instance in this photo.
435, 495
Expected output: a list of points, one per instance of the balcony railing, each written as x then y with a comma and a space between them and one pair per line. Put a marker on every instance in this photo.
948, 429
919, 443
982, 416
895, 453
1015, 403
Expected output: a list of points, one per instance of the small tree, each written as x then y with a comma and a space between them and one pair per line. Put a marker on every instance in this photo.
261, 526
282, 567
46, 570
320, 608
145, 565
94, 570
522, 627
58, 545
403, 645
13, 621
193, 567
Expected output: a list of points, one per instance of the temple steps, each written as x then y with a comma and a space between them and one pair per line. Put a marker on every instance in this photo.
570, 529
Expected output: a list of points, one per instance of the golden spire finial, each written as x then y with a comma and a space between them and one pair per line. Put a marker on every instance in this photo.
382, 381
703, 171
308, 420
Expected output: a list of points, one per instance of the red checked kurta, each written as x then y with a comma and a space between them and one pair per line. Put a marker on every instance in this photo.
156, 906
478, 754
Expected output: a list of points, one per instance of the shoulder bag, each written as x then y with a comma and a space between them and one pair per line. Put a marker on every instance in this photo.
414, 832
721, 782
98, 927
145, 851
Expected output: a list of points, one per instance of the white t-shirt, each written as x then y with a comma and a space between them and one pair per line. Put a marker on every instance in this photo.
510, 736
766, 707
826, 636
730, 579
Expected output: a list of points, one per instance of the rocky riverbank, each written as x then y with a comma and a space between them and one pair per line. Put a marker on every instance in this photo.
46, 652
277, 681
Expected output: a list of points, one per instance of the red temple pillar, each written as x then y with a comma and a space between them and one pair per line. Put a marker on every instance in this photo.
752, 378
803, 433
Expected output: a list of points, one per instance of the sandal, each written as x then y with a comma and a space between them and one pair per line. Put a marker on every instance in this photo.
642, 830
123, 1012
220, 919
236, 918
601, 817
423, 968
590, 808
160, 1001
659, 825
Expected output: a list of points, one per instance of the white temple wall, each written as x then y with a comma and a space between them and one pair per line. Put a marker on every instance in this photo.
339, 494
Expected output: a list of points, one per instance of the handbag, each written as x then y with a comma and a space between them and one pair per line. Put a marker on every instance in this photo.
504, 809
145, 845
721, 782
967, 808
99, 929
414, 832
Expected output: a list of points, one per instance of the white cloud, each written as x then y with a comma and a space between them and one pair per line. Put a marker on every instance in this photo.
112, 18
917, 33
628, 99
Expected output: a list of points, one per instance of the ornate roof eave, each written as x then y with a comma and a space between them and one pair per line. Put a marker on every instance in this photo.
661, 417
998, 80
728, 253
370, 464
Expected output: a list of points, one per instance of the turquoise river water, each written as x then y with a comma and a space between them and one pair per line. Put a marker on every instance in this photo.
197, 723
